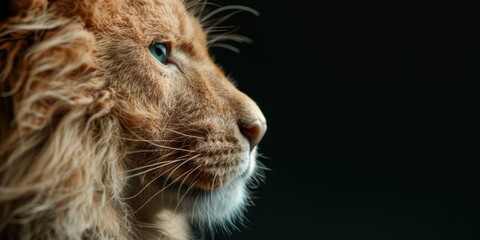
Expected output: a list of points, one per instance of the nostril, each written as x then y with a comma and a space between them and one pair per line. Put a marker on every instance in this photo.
254, 132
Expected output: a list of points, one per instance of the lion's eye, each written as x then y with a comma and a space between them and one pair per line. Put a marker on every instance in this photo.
159, 51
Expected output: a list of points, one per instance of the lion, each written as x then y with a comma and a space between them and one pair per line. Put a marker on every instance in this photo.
116, 122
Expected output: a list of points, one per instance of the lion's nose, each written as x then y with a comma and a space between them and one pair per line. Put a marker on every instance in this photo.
254, 132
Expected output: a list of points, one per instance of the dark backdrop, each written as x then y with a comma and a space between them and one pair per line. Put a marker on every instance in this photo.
373, 118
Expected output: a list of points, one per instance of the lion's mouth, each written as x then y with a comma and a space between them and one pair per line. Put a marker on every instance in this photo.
207, 182
209, 178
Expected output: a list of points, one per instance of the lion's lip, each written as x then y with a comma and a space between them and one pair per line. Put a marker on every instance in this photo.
211, 176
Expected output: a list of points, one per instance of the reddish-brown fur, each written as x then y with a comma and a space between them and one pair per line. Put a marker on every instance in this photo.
97, 137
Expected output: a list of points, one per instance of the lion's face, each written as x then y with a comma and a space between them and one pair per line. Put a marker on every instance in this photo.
181, 117
118, 103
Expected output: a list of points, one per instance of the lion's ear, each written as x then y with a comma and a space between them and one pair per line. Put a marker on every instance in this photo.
12, 8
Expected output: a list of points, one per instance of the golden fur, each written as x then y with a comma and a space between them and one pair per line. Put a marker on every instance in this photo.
99, 140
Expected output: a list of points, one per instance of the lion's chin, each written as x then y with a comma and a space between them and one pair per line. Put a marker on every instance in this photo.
211, 207
216, 207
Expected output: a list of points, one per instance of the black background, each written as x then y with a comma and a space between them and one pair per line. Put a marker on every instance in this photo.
373, 118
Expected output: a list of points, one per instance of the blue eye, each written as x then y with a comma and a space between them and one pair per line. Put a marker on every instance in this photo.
159, 51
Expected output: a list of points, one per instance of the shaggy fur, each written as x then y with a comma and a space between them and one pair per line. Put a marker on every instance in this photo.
99, 140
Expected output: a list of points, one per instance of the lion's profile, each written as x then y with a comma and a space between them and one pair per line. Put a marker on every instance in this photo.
117, 124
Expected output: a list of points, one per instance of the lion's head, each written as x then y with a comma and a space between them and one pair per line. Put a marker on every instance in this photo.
116, 122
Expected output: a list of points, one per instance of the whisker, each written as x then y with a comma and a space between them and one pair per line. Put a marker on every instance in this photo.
215, 177
222, 28
159, 146
262, 166
191, 185
172, 171
260, 155
183, 196
200, 10
185, 178
153, 164
189, 188
184, 134
161, 190
144, 140
158, 166
232, 37
152, 142
226, 46
149, 150
148, 184
230, 7
218, 21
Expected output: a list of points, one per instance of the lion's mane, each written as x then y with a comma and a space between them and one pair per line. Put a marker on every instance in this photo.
60, 175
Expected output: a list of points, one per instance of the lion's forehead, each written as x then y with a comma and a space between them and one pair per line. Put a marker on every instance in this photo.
149, 21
